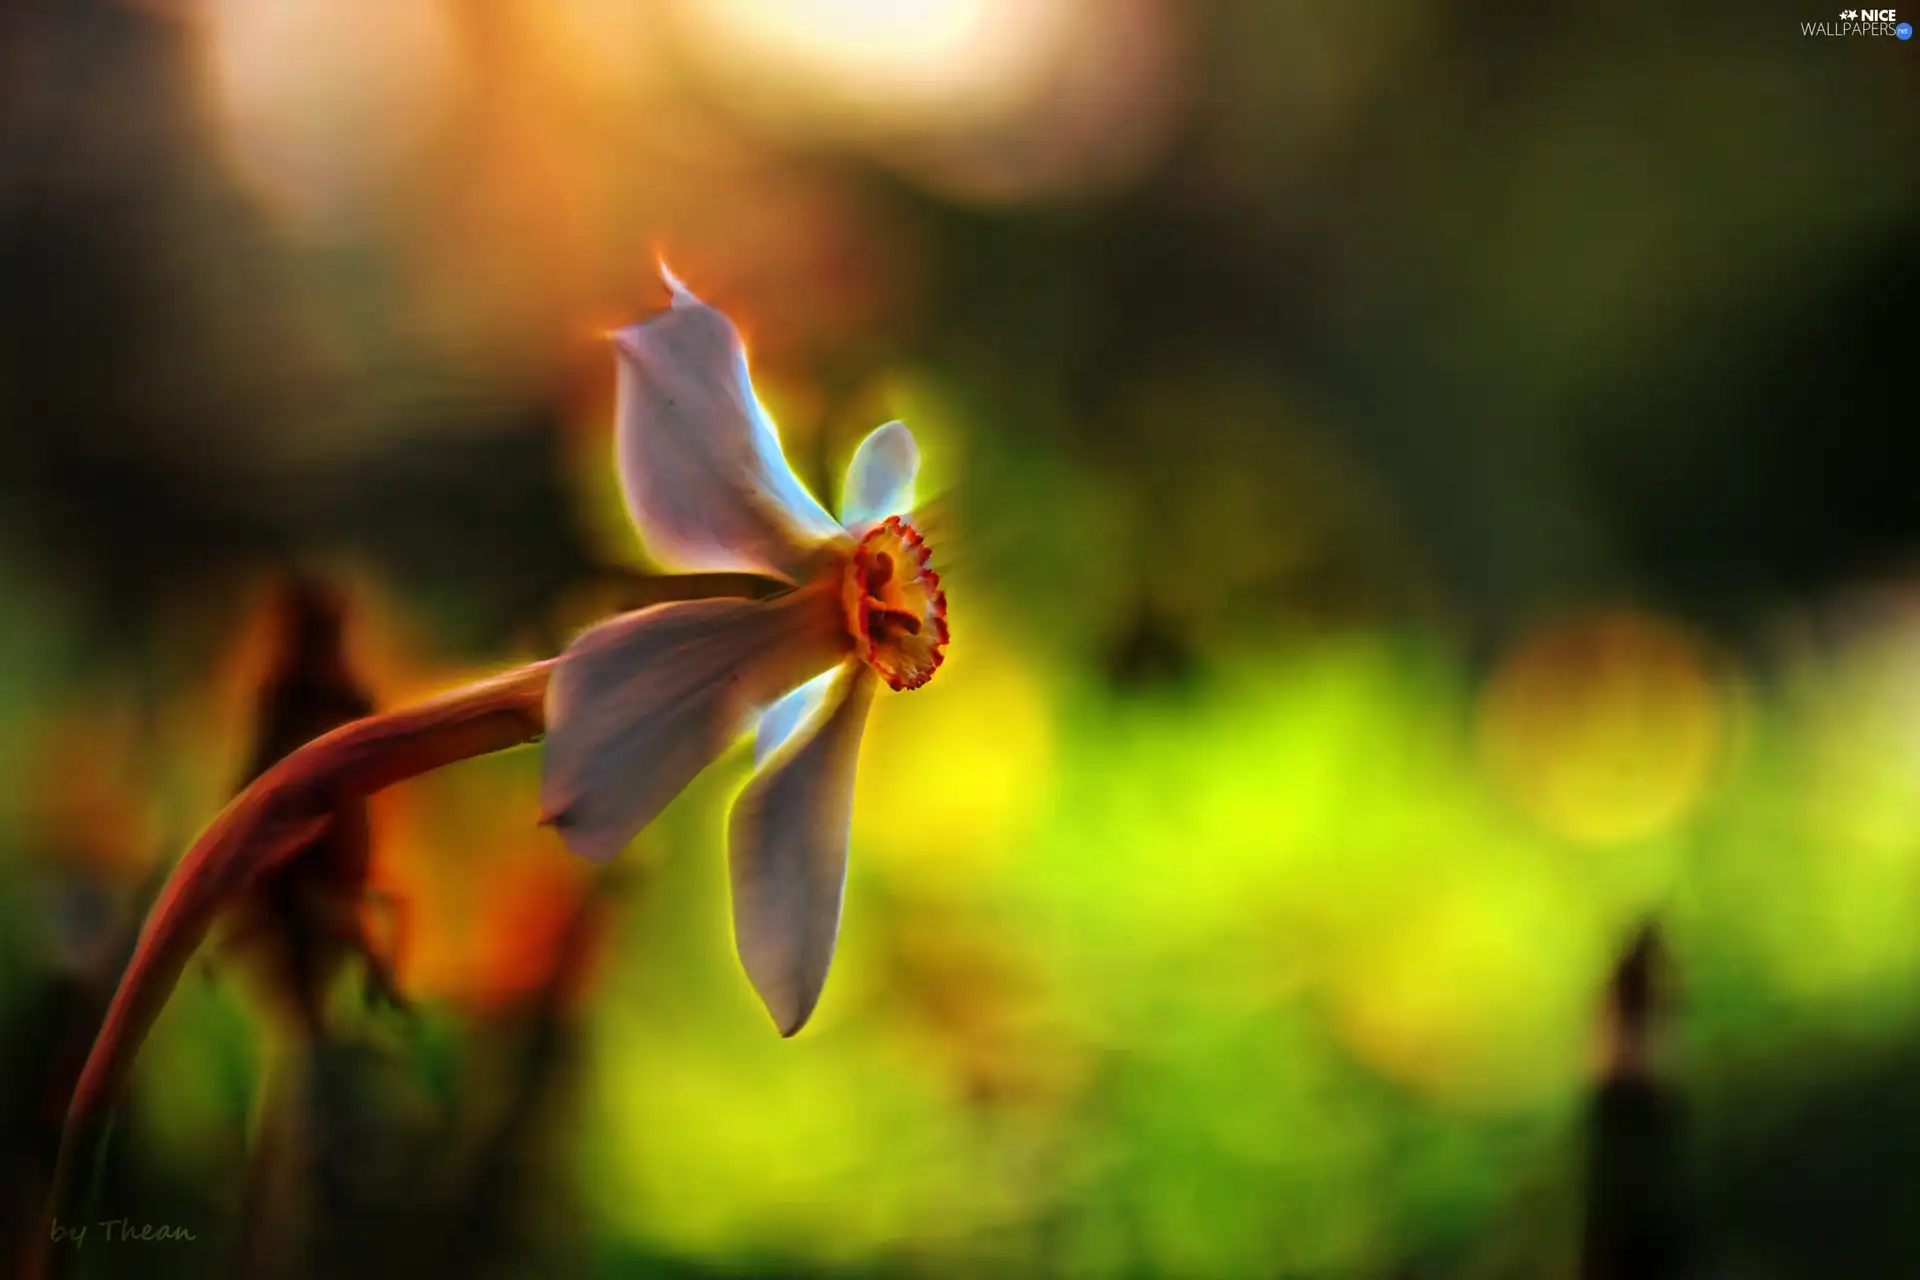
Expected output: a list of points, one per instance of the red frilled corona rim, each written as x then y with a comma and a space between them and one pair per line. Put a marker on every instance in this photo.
894, 605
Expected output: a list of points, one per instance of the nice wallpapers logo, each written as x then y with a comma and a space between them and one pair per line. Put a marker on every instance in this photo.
1861, 22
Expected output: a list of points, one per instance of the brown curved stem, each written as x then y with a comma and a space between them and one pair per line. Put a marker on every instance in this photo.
274, 818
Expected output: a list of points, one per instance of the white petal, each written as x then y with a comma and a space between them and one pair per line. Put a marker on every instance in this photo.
699, 458
778, 722
788, 853
880, 477
641, 703
682, 296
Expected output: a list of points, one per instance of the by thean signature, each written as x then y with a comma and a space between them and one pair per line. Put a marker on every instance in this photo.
120, 1231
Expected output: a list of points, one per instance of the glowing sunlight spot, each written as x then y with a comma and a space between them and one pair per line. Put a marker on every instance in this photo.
320, 104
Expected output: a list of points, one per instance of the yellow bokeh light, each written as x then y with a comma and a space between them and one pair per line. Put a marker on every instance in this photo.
952, 773
1476, 995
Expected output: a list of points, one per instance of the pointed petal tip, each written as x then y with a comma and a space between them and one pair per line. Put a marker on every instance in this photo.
625, 339
562, 822
790, 1011
682, 296
794, 1022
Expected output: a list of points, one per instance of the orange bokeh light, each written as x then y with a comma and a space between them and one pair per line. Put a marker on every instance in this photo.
1606, 727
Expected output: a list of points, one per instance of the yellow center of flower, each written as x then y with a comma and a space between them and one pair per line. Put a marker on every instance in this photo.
894, 605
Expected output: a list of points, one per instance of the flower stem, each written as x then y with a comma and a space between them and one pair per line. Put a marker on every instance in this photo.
273, 819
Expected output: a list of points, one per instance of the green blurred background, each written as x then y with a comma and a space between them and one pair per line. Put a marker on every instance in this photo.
1418, 488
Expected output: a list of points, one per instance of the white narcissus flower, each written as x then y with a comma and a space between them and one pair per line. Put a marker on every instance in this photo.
641, 703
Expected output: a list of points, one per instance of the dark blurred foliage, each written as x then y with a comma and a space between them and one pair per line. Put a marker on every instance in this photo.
303, 917
1438, 274
147, 372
